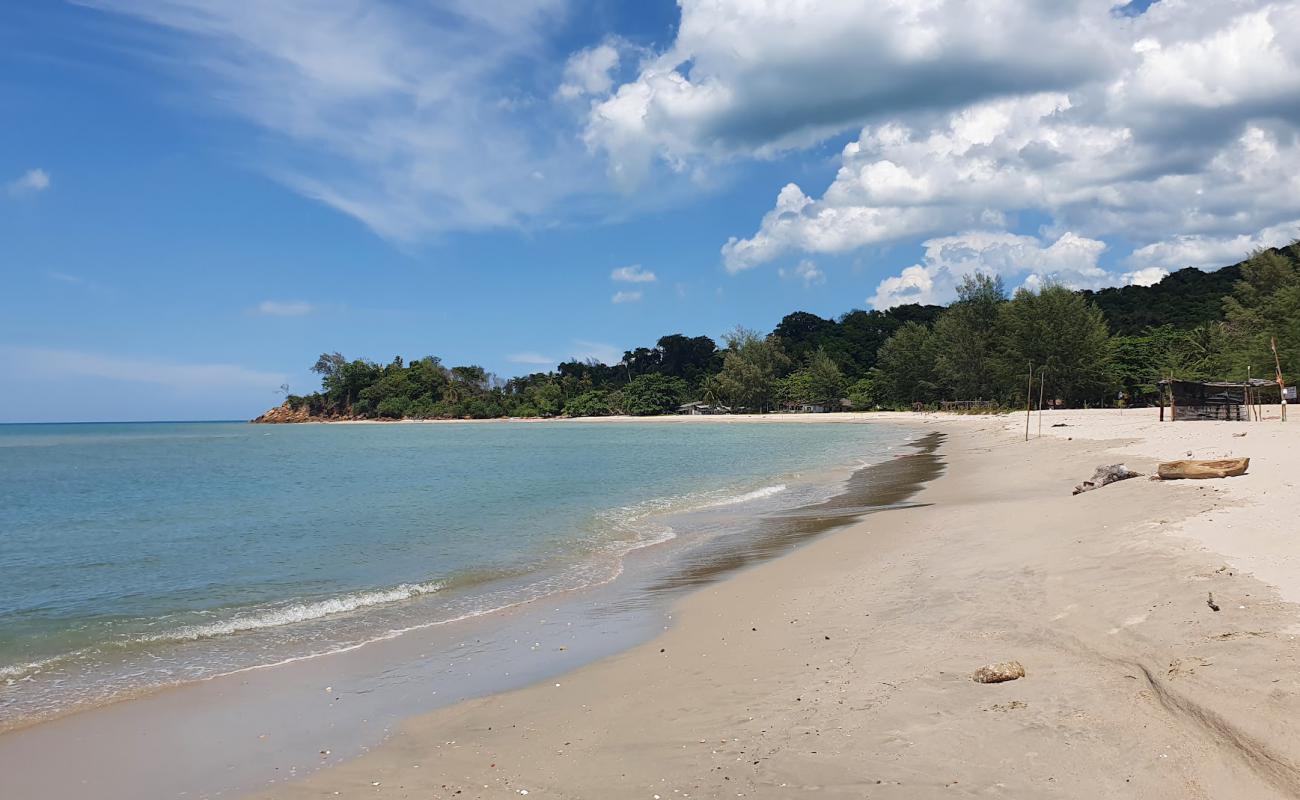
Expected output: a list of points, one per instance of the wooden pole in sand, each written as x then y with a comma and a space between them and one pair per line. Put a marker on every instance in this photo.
1029, 395
1245, 396
1281, 384
1042, 381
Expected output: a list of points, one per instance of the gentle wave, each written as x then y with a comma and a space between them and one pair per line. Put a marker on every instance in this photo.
10, 672
757, 494
298, 612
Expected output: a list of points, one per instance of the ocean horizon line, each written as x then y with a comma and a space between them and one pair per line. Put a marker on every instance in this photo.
123, 422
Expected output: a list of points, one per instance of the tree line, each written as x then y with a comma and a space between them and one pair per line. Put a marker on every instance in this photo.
1085, 348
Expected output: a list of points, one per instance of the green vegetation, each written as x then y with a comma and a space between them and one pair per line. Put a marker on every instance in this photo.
1184, 299
751, 369
1093, 348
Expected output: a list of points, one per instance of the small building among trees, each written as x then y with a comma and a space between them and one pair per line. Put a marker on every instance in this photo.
699, 407
1213, 400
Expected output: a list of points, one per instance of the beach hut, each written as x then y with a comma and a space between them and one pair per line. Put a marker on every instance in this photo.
967, 405
700, 407
1211, 400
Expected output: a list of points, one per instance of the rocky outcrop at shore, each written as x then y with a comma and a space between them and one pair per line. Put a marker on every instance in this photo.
286, 413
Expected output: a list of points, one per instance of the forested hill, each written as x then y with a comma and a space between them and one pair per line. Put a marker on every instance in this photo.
1184, 299
1103, 347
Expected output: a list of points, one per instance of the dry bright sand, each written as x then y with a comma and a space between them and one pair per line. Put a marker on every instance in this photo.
844, 669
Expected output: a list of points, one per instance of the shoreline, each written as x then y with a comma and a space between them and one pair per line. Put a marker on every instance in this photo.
844, 666
775, 416
613, 516
359, 670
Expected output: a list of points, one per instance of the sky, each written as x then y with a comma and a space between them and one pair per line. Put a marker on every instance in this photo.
198, 197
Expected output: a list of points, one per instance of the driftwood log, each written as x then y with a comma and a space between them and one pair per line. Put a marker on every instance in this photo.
1193, 468
1105, 474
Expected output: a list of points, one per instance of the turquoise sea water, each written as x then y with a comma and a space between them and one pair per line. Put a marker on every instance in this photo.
137, 555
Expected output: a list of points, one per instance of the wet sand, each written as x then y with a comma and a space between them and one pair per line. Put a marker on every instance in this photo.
843, 669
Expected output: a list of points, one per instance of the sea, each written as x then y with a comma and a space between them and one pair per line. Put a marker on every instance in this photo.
141, 555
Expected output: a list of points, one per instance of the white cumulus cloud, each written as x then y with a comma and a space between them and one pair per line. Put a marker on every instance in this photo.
626, 297
1212, 251
754, 77
1071, 260
588, 72
633, 274
1145, 276
31, 181
1175, 129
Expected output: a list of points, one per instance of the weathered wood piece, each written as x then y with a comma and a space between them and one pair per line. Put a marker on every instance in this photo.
1203, 468
1105, 474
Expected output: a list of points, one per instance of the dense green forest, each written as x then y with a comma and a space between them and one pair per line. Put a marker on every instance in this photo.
1184, 299
1087, 348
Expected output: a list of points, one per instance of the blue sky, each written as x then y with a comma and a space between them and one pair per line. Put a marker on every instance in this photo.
195, 203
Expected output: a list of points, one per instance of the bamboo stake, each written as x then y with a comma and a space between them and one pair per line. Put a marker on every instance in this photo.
1281, 384
1253, 394
1245, 395
1042, 381
1029, 395
1173, 404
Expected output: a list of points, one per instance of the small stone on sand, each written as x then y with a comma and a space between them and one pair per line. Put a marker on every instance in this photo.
999, 673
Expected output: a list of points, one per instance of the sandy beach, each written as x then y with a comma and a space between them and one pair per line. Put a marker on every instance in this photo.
633, 401
844, 668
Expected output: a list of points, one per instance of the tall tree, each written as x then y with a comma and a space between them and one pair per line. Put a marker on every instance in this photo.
802, 334
1264, 306
966, 341
689, 358
905, 368
751, 368
648, 395
1065, 337
825, 381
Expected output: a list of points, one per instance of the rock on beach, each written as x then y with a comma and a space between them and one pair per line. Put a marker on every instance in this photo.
999, 673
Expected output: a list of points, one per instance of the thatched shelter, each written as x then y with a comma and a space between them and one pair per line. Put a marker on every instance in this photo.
1213, 400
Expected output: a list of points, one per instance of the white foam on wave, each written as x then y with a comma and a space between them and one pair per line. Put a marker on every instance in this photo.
757, 494
10, 672
297, 612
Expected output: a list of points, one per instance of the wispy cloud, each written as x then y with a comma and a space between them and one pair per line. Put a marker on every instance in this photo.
633, 274
283, 308
588, 72
535, 359
807, 271
413, 120
31, 181
186, 378
604, 353
80, 284
626, 297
